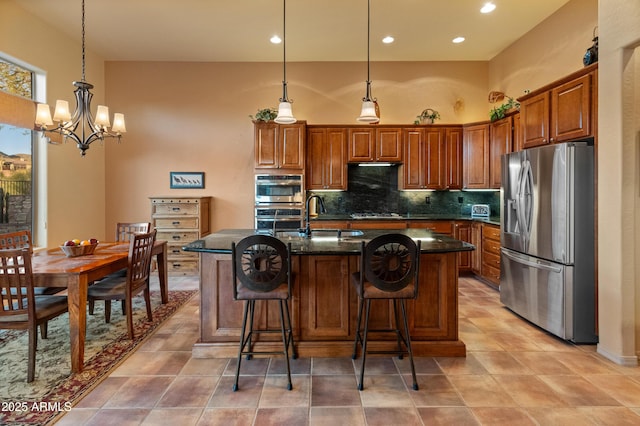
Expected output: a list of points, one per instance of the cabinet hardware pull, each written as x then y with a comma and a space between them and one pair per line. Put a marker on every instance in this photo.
175, 223
176, 237
176, 209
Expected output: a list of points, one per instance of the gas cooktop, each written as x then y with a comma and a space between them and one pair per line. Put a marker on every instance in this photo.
375, 216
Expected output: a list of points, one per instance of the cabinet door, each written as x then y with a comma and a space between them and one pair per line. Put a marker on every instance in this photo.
361, 147
476, 240
440, 226
412, 168
475, 171
517, 133
462, 232
435, 159
389, 145
325, 290
335, 176
314, 174
571, 110
291, 146
501, 143
453, 141
266, 145
534, 120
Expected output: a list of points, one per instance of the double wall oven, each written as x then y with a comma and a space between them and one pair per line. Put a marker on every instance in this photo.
279, 203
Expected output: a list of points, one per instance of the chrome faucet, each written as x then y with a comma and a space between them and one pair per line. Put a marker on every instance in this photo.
307, 228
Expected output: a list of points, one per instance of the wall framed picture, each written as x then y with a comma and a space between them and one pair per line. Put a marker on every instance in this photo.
178, 180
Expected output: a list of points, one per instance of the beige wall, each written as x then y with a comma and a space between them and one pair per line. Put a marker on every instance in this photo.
551, 50
195, 117
618, 189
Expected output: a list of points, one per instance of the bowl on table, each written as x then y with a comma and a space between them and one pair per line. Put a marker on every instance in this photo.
78, 250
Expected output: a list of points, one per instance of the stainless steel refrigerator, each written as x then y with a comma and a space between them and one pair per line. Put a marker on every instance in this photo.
547, 237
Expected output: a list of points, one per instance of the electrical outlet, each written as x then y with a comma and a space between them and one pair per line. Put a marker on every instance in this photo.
460, 200
427, 200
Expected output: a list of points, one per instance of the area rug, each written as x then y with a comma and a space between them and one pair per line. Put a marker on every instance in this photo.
55, 389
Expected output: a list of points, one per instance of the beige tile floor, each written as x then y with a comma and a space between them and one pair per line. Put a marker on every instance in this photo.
513, 374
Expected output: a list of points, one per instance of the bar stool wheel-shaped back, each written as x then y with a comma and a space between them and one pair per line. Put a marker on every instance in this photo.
389, 268
262, 271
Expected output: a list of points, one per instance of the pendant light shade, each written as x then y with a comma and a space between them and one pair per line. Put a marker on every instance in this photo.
285, 114
368, 112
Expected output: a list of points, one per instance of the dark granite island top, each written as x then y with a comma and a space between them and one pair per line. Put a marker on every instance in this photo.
328, 243
324, 304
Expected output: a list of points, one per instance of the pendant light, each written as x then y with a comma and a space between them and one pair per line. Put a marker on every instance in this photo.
285, 115
368, 113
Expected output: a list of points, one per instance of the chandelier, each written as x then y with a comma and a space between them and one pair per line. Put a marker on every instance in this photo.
368, 112
81, 126
285, 115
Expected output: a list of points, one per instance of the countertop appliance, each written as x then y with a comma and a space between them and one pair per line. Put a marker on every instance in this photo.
480, 210
547, 238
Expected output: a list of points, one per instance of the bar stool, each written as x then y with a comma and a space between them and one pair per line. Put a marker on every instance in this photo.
262, 271
389, 267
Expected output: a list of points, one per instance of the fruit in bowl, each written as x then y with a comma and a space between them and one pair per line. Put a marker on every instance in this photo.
75, 247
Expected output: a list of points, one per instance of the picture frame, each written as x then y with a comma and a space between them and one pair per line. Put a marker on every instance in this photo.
180, 180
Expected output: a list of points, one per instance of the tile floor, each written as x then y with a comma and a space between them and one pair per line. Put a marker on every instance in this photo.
513, 374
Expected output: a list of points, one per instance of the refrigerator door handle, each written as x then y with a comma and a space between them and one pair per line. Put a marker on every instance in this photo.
537, 265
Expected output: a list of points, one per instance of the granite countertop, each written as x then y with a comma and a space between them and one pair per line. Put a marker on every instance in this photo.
494, 220
329, 244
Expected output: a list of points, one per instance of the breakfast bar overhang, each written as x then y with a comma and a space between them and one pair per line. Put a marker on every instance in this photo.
324, 304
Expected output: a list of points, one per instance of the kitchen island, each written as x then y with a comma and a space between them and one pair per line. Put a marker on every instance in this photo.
324, 304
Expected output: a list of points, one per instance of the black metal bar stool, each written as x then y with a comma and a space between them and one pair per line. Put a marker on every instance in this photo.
262, 271
389, 267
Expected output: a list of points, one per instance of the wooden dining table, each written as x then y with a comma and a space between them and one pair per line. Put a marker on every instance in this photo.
51, 268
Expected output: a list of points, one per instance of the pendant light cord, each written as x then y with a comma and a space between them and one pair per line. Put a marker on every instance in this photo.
83, 66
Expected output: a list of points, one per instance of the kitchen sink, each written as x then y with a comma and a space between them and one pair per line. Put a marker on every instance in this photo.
325, 234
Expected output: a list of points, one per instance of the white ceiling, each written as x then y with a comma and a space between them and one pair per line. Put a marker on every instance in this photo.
317, 30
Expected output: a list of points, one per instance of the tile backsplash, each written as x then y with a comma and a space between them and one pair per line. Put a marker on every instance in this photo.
375, 189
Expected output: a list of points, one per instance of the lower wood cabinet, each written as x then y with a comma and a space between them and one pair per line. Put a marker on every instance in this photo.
490, 269
462, 232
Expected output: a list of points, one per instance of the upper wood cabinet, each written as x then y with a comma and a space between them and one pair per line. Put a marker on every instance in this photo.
453, 144
560, 111
375, 144
279, 146
326, 158
501, 142
432, 158
475, 157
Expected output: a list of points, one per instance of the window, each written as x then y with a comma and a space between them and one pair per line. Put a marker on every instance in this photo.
16, 156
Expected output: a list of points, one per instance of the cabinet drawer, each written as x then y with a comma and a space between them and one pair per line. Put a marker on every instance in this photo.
182, 266
491, 259
181, 237
176, 209
440, 226
177, 222
491, 232
490, 273
175, 251
491, 247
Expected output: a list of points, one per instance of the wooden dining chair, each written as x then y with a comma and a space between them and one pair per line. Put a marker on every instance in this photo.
135, 281
124, 230
21, 308
19, 240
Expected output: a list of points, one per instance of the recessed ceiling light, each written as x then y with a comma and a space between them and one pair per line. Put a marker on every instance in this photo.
458, 40
488, 8
275, 39
388, 39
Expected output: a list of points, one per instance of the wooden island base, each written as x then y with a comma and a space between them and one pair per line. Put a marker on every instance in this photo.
324, 308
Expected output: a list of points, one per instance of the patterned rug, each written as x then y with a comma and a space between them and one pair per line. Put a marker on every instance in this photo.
55, 389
